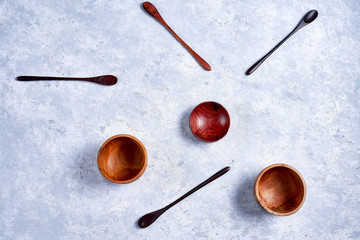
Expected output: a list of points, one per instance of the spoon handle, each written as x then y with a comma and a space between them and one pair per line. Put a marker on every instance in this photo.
151, 9
209, 180
41, 78
258, 63
197, 57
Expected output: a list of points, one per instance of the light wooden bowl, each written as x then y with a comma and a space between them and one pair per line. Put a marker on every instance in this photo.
122, 159
280, 189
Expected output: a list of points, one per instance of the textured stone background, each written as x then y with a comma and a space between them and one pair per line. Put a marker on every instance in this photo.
301, 107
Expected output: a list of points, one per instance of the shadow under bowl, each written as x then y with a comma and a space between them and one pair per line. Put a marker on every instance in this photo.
209, 121
122, 159
280, 189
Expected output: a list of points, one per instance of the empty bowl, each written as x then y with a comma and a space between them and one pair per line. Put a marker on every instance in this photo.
209, 121
122, 159
280, 189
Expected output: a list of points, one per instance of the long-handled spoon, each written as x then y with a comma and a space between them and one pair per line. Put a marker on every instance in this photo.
149, 218
151, 9
105, 79
307, 19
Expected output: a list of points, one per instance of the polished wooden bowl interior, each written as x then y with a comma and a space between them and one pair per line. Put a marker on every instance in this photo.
209, 121
122, 159
280, 189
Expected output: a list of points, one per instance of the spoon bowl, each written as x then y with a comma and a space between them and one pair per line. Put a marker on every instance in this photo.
310, 16
209, 121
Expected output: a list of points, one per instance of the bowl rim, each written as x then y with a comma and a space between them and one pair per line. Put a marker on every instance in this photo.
198, 137
256, 189
138, 142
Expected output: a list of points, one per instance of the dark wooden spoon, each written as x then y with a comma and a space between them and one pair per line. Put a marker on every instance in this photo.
151, 9
105, 79
307, 19
149, 218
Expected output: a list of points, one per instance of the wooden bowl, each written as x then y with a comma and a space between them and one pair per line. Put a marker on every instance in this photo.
209, 121
280, 189
122, 159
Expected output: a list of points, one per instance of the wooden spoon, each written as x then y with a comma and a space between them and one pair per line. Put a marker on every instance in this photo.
151, 9
307, 19
149, 218
104, 80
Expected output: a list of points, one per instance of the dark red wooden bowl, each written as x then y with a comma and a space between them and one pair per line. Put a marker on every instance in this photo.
209, 121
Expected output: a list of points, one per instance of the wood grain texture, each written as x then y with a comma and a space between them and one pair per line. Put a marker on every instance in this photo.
151, 9
122, 159
280, 189
209, 121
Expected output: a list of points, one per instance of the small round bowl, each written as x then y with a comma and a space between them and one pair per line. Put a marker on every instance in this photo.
122, 159
209, 121
280, 189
